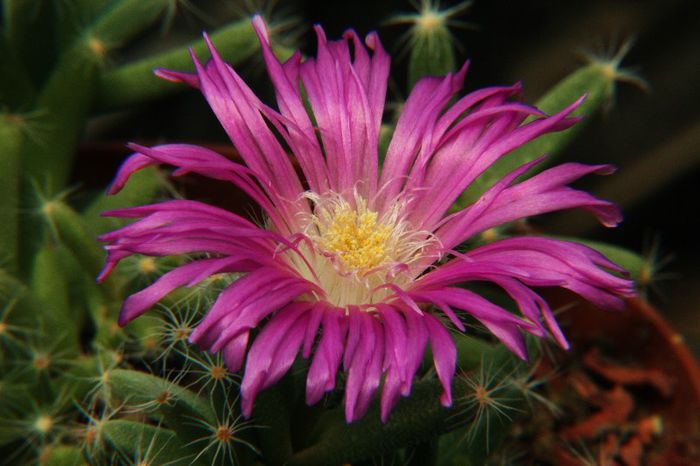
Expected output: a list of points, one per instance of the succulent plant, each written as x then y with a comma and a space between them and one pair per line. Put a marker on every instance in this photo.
76, 388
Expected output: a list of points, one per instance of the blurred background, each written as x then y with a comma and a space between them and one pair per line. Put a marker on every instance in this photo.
652, 132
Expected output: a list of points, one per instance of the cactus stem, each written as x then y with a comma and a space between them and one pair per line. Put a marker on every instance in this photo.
210, 372
222, 435
487, 396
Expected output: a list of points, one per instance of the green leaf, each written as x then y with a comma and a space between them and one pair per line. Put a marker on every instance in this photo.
147, 444
473, 352
68, 94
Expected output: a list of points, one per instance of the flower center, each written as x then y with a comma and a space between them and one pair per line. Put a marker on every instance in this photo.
356, 250
356, 237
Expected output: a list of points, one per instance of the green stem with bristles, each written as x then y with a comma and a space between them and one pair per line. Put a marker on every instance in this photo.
135, 83
56, 317
179, 407
147, 443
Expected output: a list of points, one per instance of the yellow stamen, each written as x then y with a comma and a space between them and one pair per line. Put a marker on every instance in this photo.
356, 249
356, 236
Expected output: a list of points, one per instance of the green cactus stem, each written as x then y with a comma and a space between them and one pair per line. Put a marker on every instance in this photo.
11, 138
135, 83
146, 444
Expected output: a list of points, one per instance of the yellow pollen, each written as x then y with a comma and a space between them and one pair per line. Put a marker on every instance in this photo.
3, 327
358, 239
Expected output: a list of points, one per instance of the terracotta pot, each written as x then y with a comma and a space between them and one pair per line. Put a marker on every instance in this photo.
638, 356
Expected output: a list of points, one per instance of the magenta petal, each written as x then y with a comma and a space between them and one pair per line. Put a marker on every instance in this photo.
444, 356
418, 336
272, 353
234, 352
190, 79
187, 274
390, 393
360, 367
326, 360
313, 324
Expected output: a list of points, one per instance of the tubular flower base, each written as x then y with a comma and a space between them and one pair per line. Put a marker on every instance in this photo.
360, 268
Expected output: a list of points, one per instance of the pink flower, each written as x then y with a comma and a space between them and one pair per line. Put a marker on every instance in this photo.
356, 263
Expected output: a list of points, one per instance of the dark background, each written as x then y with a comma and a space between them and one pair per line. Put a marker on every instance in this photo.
653, 137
